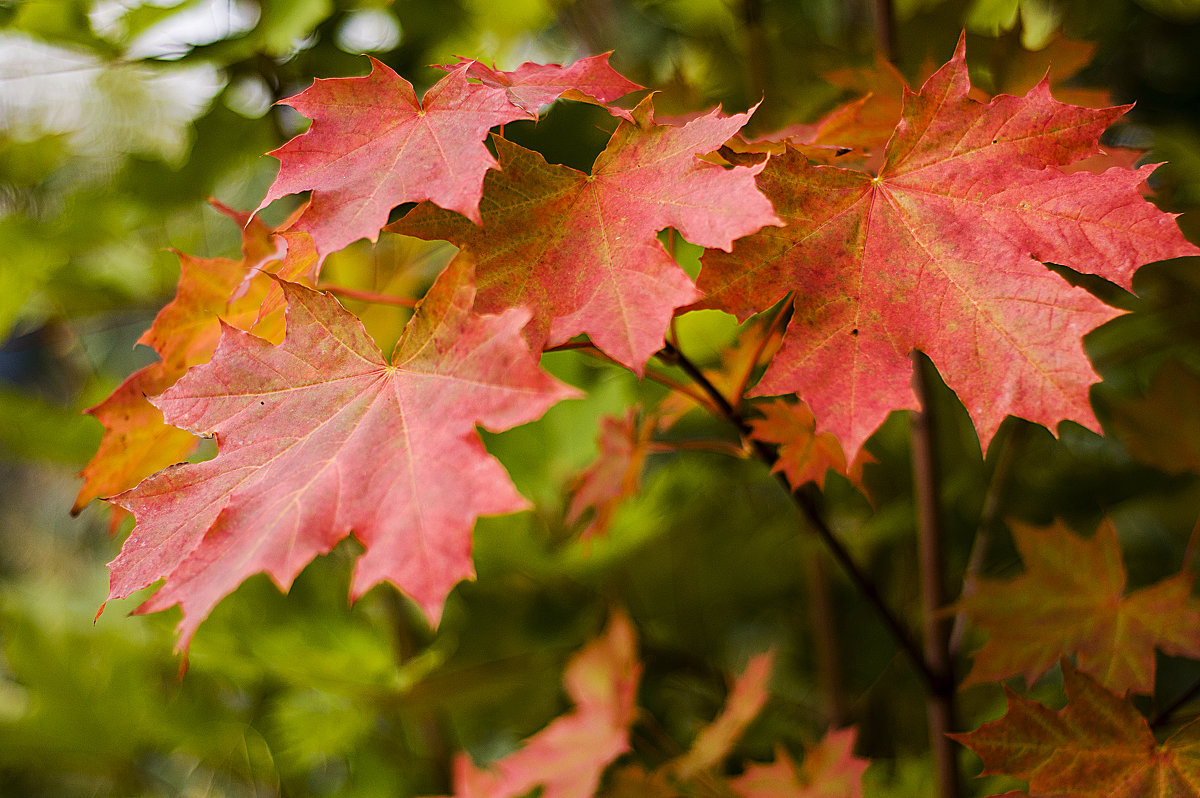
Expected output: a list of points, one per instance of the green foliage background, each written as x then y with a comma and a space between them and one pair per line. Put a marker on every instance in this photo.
302, 695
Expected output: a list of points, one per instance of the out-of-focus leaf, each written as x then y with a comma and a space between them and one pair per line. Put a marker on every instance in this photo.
1071, 601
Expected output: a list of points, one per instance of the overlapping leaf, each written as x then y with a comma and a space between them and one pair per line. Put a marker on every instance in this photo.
530, 86
321, 436
136, 441
804, 454
580, 249
1071, 601
1099, 746
942, 252
373, 145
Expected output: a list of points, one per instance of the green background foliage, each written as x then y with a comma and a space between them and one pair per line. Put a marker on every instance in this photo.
303, 695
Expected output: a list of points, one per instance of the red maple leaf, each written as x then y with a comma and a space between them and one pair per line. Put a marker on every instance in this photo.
136, 441
580, 249
804, 454
373, 146
1071, 601
530, 86
567, 758
320, 436
1099, 746
943, 252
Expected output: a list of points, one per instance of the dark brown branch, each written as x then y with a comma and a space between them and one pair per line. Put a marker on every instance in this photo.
806, 503
885, 28
926, 484
587, 347
822, 617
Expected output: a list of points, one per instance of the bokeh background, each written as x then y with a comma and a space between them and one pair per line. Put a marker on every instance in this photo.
120, 118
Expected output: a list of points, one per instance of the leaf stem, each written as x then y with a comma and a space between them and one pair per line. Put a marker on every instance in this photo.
716, 447
823, 619
587, 347
807, 504
370, 296
777, 322
885, 28
926, 484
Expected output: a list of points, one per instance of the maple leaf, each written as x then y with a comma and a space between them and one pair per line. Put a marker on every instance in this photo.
320, 436
567, 758
829, 770
942, 252
1071, 600
136, 441
372, 146
530, 86
580, 249
746, 699
1098, 746
614, 476
804, 454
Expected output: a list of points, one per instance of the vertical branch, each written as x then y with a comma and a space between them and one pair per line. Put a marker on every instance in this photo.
885, 28
806, 503
824, 626
926, 483
758, 69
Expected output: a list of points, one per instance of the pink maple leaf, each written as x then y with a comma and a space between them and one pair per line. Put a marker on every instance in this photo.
320, 436
943, 252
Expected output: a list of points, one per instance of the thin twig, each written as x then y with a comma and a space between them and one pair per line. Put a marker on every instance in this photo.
807, 505
885, 28
780, 318
370, 296
926, 483
822, 617
757, 54
589, 348
716, 447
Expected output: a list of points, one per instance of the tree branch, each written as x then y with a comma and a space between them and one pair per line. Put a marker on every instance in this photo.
806, 503
926, 486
